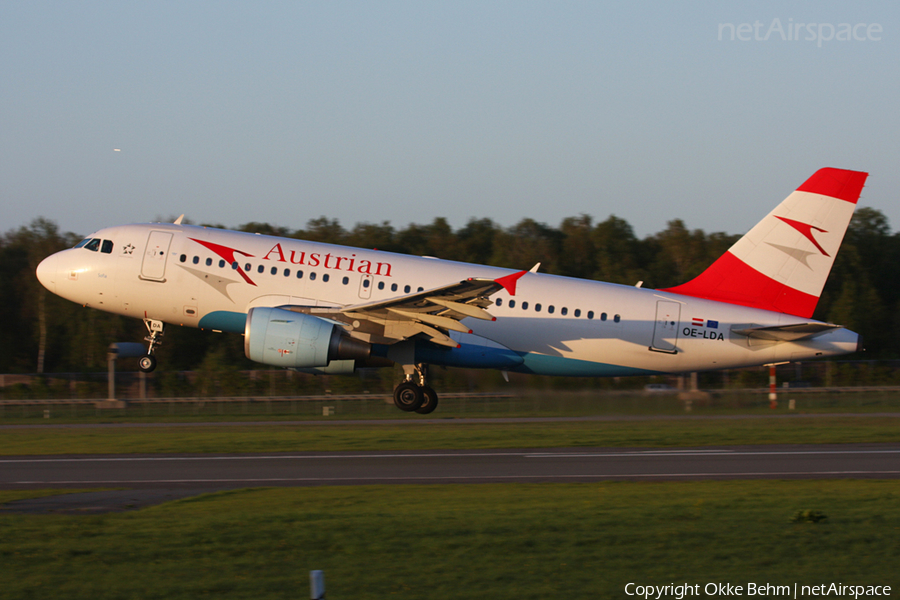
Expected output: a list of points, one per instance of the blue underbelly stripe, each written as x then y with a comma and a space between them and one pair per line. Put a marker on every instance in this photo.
541, 364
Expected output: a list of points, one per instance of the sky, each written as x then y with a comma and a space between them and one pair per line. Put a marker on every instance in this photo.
365, 112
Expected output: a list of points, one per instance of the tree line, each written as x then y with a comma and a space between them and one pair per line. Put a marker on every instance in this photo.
43, 333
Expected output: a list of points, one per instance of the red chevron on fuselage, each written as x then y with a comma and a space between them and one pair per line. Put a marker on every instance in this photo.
227, 254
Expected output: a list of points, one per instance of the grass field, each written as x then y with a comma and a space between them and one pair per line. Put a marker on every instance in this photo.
454, 541
274, 437
524, 404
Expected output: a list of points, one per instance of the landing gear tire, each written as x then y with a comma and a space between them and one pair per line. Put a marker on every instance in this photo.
147, 363
429, 401
408, 397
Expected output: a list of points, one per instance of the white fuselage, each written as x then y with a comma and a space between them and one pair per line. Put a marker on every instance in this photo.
210, 278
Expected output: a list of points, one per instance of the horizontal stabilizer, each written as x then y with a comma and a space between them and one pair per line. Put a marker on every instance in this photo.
787, 333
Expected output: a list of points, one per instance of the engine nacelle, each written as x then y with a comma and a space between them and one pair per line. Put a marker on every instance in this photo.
283, 338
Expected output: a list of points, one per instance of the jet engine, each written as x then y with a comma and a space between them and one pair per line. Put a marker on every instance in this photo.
282, 338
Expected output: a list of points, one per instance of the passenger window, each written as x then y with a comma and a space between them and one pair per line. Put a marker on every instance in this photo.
93, 245
524, 306
182, 258
287, 272
260, 269
380, 285
512, 303
312, 276
299, 274
406, 289
537, 308
602, 316
196, 260
274, 270
208, 262
499, 302
325, 277
107, 247
590, 314
221, 264
577, 312
393, 287
550, 309
366, 283
247, 267
346, 280
234, 266
617, 318
421, 289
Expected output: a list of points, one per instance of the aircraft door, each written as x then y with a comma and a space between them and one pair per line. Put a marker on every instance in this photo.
154, 266
365, 286
665, 329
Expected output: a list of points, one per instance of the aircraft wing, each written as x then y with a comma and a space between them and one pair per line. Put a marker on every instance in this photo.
432, 313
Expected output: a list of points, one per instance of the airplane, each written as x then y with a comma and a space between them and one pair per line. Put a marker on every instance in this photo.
325, 308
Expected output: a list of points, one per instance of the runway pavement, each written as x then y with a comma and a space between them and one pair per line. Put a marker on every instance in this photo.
163, 477
212, 471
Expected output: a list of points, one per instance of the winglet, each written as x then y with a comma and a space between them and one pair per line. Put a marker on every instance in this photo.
509, 281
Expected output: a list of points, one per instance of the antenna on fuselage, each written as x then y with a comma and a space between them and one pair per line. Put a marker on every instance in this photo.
179, 220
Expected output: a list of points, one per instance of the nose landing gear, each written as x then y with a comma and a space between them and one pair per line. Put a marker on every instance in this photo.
413, 394
156, 328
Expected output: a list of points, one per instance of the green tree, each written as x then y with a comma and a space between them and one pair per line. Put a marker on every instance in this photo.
372, 236
578, 257
619, 254
31, 338
527, 243
324, 230
265, 229
476, 241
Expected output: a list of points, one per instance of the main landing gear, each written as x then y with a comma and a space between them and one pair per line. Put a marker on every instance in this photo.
413, 394
156, 328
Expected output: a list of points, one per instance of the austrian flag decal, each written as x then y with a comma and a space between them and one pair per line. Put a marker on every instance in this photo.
704, 323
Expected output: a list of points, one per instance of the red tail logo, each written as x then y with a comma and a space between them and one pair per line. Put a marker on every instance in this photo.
806, 230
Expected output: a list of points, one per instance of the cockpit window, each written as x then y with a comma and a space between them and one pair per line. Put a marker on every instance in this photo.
95, 244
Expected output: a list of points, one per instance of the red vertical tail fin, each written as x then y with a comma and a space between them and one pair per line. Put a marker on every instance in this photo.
783, 262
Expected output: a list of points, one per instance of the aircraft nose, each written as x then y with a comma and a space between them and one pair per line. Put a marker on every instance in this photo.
47, 272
